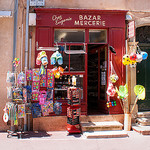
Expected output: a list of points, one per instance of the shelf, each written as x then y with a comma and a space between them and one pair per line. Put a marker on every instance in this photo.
60, 89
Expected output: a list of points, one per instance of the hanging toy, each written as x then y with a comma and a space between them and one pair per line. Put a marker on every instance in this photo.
144, 55
133, 56
123, 92
111, 104
139, 91
16, 62
139, 58
113, 78
21, 78
111, 90
126, 60
132, 64
43, 61
56, 57
5, 116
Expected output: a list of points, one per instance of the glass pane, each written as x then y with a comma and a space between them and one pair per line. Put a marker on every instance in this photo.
69, 35
98, 36
63, 83
77, 62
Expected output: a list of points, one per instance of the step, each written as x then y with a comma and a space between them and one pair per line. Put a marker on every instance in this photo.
105, 134
143, 114
144, 121
102, 118
101, 126
144, 130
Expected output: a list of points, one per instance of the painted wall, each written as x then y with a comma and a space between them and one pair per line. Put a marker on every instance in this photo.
6, 31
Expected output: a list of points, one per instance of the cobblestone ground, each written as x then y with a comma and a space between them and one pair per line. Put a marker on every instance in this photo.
62, 141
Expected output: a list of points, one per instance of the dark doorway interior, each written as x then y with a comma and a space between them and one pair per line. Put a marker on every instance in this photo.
97, 79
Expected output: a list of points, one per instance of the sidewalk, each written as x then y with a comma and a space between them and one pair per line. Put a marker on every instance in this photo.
62, 141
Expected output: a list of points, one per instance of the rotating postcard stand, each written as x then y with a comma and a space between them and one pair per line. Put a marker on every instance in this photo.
73, 110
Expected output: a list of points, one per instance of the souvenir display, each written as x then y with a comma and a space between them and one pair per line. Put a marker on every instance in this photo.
122, 92
9, 92
47, 108
24, 95
49, 94
57, 108
111, 104
10, 77
35, 96
29, 75
42, 97
35, 74
56, 57
43, 61
21, 78
21, 110
43, 80
50, 79
35, 86
16, 62
17, 93
36, 110
111, 91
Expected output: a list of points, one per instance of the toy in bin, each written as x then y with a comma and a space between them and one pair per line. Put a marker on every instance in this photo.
73, 110
42, 97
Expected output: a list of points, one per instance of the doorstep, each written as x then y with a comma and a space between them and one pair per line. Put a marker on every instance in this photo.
105, 134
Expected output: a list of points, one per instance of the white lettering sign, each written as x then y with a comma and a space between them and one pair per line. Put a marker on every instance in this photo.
59, 20
89, 20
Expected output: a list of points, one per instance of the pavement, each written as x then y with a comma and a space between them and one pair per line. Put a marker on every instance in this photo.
60, 140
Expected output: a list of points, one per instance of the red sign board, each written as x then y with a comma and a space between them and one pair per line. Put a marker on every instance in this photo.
76, 18
131, 29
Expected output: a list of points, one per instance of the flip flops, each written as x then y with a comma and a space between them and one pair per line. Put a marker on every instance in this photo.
56, 57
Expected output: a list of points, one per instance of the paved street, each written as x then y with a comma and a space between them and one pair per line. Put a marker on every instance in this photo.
61, 141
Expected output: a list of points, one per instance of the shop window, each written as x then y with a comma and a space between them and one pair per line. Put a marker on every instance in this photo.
63, 83
69, 35
97, 36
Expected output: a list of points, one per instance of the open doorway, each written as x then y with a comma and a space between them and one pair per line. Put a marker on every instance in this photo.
97, 79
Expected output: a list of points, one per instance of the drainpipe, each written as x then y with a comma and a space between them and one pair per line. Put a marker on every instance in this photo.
26, 50
26, 36
15, 31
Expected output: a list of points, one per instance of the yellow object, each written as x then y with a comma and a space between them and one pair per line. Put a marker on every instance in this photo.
139, 90
126, 60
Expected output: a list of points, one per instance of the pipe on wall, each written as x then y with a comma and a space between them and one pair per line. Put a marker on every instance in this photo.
15, 31
26, 35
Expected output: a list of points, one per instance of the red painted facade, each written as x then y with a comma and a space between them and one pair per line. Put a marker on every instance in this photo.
49, 19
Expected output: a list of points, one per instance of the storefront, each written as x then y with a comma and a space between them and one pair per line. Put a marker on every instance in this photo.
84, 38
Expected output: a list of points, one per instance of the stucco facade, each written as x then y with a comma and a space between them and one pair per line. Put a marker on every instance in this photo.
137, 8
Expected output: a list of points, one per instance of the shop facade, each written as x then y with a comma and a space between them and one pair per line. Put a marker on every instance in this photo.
84, 38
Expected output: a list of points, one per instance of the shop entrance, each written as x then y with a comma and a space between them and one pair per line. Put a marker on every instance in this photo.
97, 79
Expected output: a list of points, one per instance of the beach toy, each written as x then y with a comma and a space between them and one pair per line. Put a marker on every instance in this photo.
111, 90
139, 57
113, 78
16, 62
133, 56
126, 60
144, 55
139, 90
123, 91
43, 61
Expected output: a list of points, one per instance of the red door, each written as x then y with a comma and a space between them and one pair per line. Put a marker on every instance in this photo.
117, 40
